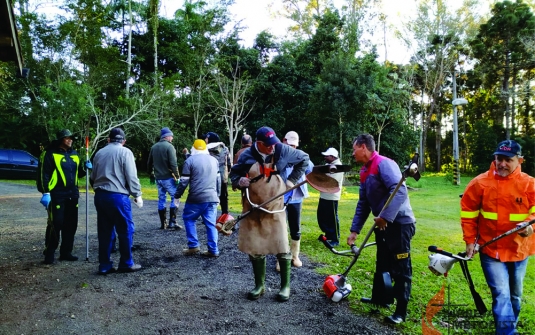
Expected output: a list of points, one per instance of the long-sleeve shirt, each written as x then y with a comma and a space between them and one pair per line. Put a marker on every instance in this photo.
200, 172
162, 158
114, 170
378, 179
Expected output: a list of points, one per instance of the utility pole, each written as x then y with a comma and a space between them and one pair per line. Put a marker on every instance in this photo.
455, 102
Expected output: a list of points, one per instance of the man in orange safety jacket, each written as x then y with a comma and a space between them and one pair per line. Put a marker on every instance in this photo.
494, 202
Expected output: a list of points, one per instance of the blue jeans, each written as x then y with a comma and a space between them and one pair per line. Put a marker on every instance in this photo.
165, 186
208, 212
505, 280
114, 211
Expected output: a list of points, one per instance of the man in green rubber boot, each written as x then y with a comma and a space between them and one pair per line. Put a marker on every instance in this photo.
260, 172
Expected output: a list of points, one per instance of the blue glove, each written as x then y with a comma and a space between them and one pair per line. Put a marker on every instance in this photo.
88, 165
45, 200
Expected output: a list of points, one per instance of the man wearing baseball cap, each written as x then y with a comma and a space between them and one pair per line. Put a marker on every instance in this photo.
494, 202
263, 233
327, 212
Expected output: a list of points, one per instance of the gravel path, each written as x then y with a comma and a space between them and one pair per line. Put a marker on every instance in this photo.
173, 294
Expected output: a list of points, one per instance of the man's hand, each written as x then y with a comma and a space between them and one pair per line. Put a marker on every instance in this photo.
380, 223
45, 200
352, 238
88, 165
470, 250
139, 202
526, 232
244, 182
289, 185
176, 202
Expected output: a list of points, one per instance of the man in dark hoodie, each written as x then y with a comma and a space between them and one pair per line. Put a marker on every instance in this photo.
163, 163
219, 151
59, 170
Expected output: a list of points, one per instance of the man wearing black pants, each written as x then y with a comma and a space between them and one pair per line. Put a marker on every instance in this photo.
394, 226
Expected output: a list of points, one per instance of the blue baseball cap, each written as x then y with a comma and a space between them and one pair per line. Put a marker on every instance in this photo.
508, 148
267, 136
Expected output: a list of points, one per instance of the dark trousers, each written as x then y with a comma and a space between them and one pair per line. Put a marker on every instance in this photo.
393, 256
114, 211
223, 198
293, 213
328, 219
62, 219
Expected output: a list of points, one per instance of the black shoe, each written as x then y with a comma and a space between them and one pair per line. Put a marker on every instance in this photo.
48, 260
370, 301
209, 254
394, 319
133, 268
103, 273
68, 257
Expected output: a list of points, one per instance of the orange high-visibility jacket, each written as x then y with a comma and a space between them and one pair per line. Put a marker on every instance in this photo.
492, 205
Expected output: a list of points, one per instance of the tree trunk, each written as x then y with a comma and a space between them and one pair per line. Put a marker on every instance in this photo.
129, 58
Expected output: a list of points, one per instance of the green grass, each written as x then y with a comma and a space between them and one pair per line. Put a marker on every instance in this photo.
435, 202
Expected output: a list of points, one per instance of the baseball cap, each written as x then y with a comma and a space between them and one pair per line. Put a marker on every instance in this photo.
267, 136
212, 137
508, 148
292, 138
117, 134
199, 145
331, 152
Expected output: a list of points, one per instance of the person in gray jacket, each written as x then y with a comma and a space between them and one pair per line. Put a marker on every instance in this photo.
395, 226
114, 179
200, 172
219, 151
163, 164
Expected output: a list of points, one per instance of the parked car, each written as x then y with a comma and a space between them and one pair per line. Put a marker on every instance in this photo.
17, 164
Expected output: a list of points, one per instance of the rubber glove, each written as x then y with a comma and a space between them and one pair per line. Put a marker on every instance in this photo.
45, 200
88, 165
244, 182
177, 203
139, 202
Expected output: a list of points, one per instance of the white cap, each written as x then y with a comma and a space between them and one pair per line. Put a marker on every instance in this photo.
331, 152
292, 138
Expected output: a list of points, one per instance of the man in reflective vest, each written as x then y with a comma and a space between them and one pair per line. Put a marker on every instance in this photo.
494, 202
59, 170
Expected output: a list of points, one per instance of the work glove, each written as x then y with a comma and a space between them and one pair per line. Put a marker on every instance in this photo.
45, 200
244, 182
289, 184
88, 165
176, 202
152, 179
139, 202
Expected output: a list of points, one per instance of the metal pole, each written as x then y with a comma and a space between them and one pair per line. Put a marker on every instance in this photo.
456, 171
86, 199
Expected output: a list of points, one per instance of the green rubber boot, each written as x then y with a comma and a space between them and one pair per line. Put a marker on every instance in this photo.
259, 270
285, 261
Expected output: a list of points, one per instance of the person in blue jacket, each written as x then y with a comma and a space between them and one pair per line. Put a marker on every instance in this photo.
395, 226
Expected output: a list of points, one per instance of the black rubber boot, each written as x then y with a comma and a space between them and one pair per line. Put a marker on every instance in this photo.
172, 219
259, 270
163, 218
285, 261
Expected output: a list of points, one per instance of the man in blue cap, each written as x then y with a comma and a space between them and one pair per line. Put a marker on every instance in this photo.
262, 233
163, 164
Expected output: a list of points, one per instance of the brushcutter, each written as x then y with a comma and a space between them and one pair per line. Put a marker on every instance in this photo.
335, 286
440, 265
318, 179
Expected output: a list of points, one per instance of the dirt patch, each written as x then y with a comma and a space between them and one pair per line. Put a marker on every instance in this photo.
173, 294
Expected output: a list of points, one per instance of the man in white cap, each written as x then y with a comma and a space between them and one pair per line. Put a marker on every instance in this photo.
294, 201
328, 204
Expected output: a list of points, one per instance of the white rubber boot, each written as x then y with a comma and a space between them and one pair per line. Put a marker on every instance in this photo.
294, 248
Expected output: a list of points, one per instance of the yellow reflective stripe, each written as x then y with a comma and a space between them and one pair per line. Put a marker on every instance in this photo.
469, 215
489, 215
57, 160
53, 180
518, 217
531, 210
76, 159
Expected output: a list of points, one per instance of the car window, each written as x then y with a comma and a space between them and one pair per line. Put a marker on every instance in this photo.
22, 157
3, 155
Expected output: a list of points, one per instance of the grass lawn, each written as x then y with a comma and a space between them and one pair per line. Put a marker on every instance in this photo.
435, 202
